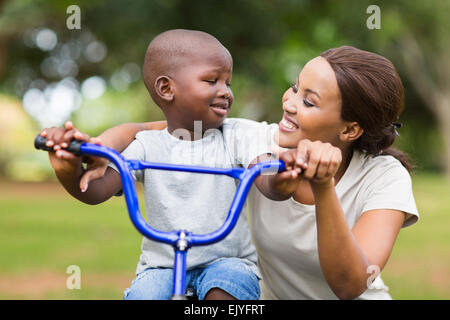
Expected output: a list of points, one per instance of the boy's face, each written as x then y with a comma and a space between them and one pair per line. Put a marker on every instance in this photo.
202, 90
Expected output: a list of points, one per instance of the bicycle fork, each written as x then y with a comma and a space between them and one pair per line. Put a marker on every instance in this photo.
181, 247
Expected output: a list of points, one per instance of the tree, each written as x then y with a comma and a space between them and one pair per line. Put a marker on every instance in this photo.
270, 41
423, 48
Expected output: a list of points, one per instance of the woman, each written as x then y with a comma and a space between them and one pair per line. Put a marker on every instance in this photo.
336, 233
333, 237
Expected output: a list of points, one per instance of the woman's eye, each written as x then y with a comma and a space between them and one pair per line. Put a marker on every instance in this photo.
294, 88
307, 103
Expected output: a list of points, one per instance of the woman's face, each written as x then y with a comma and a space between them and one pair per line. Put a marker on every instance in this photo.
312, 107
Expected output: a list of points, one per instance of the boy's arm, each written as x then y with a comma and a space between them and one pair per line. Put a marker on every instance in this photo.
68, 167
99, 190
69, 173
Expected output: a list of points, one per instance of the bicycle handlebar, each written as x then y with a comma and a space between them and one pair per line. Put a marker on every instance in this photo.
74, 146
180, 237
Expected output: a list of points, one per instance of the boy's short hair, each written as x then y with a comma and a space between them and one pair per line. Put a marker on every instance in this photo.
170, 50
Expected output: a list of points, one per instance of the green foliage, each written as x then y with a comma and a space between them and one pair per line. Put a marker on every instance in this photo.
270, 42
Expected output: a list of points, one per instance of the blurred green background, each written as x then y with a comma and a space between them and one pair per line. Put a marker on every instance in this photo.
50, 73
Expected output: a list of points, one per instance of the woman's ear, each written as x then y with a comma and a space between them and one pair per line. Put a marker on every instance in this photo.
351, 132
164, 89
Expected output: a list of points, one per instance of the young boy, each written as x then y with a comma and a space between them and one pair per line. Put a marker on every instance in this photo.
188, 75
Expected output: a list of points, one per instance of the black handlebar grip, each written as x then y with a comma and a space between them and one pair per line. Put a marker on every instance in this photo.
39, 143
74, 146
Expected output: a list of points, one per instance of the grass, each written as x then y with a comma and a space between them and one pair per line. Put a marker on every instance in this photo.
41, 235
43, 231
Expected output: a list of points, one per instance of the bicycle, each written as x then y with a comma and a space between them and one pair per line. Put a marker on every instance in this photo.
180, 240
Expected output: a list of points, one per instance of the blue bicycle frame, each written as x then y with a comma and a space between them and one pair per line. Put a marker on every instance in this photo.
180, 240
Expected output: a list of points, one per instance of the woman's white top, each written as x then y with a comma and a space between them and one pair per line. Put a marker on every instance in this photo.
285, 233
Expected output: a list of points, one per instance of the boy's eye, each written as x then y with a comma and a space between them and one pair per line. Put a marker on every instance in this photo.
294, 88
307, 103
229, 85
211, 81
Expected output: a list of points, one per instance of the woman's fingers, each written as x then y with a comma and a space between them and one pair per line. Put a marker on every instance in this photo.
317, 159
303, 150
324, 162
315, 154
330, 163
335, 163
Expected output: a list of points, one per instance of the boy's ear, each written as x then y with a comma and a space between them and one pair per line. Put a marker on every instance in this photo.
351, 132
163, 88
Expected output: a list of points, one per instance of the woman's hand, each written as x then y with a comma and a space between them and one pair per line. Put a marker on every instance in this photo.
315, 161
319, 161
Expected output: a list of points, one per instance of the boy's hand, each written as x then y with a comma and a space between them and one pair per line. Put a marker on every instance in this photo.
60, 138
63, 161
96, 168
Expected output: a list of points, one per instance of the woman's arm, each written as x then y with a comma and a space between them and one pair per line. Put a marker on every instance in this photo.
348, 257
119, 137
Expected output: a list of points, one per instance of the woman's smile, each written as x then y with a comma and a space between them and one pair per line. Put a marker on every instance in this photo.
287, 125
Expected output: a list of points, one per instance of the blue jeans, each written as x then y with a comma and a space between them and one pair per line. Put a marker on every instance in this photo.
230, 275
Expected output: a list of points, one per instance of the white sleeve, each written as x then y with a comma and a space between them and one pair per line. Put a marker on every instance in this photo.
134, 151
393, 190
247, 139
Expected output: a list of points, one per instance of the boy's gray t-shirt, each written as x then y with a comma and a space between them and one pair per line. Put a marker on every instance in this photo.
196, 202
